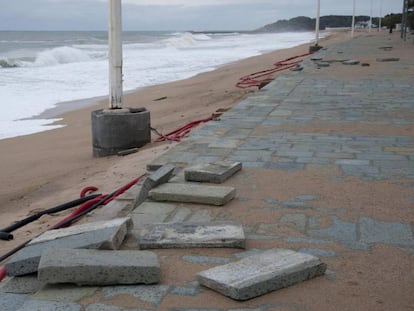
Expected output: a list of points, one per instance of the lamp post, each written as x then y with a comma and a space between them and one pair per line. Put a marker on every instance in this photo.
115, 54
118, 130
316, 47
353, 19
318, 17
370, 18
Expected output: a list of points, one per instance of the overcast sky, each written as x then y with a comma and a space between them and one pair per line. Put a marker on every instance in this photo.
175, 14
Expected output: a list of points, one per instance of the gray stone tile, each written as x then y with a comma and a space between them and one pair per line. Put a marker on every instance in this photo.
375, 231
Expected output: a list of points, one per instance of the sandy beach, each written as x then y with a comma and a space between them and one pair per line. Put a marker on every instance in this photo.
46, 169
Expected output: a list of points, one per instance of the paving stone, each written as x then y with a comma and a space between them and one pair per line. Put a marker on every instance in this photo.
351, 62
152, 294
67, 293
151, 212
98, 235
191, 193
160, 176
41, 305
93, 267
22, 285
102, 307
375, 231
200, 216
297, 220
259, 274
338, 231
82, 228
217, 172
12, 302
187, 234
318, 252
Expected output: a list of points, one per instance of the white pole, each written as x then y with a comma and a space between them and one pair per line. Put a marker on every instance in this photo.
380, 17
370, 18
353, 19
115, 54
318, 16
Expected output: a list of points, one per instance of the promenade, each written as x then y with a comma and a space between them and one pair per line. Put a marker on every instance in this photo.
328, 169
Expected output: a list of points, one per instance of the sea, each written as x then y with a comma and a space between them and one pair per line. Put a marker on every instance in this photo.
41, 69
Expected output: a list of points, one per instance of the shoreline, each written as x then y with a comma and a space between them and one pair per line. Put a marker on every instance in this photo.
45, 169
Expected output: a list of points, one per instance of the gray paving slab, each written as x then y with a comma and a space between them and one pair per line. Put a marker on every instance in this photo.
22, 285
193, 193
45, 305
190, 234
99, 235
12, 302
124, 222
94, 267
259, 274
217, 172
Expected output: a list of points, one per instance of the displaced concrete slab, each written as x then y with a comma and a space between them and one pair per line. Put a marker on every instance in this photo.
262, 273
189, 234
82, 228
101, 236
160, 176
95, 267
217, 172
190, 193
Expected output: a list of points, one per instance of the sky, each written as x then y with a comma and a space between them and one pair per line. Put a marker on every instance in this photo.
176, 15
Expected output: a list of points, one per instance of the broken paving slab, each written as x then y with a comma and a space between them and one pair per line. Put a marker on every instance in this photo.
193, 193
193, 234
97, 267
259, 274
217, 172
101, 235
124, 223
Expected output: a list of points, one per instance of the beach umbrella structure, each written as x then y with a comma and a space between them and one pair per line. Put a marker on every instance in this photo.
118, 130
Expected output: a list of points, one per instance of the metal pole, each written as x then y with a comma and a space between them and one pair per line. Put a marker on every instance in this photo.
380, 17
318, 16
370, 18
115, 54
353, 19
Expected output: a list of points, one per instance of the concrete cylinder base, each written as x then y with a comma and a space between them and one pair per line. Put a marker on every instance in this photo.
117, 130
314, 48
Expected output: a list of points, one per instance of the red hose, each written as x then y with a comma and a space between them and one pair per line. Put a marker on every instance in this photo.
86, 190
3, 273
256, 78
180, 133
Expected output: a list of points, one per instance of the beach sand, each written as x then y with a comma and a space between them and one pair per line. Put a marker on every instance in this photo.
45, 169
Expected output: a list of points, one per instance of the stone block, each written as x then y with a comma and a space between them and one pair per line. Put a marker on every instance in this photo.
190, 234
217, 172
262, 273
190, 193
124, 222
96, 267
98, 235
160, 176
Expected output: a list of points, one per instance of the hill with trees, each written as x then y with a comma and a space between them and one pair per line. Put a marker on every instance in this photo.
303, 23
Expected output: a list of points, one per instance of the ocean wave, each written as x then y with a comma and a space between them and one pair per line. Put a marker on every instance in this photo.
61, 55
51, 57
185, 40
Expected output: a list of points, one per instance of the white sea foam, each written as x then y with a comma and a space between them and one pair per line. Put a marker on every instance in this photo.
47, 74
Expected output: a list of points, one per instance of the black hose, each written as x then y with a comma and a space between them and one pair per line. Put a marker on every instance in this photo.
6, 236
52, 210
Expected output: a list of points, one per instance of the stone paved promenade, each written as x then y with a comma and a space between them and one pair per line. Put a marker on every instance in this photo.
328, 169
